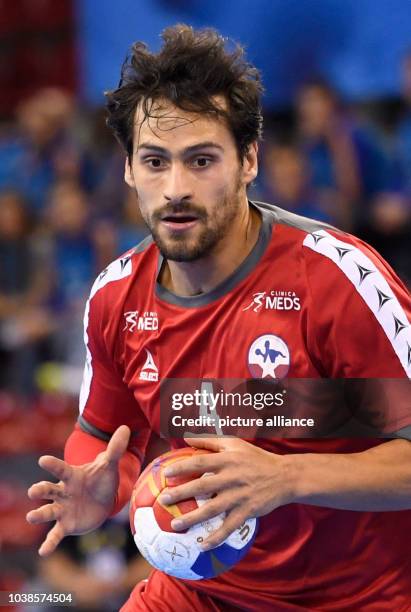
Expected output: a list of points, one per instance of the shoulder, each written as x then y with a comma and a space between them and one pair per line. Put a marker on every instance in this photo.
353, 295
126, 280
334, 256
116, 278
291, 228
325, 248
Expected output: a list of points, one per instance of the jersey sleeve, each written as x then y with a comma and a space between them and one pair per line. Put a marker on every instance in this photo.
358, 322
106, 402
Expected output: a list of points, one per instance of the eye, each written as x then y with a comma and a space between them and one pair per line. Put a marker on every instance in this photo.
154, 163
201, 162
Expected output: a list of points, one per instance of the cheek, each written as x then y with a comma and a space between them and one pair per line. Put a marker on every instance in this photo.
146, 194
214, 190
218, 186
143, 203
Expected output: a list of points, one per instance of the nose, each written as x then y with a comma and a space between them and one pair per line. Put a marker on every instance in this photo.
177, 186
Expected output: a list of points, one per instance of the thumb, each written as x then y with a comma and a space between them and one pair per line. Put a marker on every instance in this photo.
215, 443
118, 444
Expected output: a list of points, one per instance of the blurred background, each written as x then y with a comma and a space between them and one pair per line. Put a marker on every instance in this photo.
337, 147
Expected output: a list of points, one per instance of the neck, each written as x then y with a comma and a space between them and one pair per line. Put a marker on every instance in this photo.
203, 275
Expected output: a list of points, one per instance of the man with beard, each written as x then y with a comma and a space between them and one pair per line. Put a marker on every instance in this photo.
177, 306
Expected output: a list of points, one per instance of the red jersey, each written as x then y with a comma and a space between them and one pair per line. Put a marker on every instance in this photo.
318, 302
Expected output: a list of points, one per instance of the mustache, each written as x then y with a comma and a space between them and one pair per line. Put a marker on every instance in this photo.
180, 208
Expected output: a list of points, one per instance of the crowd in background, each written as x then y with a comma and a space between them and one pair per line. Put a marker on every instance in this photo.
65, 211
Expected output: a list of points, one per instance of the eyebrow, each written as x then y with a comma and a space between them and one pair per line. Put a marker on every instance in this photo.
187, 151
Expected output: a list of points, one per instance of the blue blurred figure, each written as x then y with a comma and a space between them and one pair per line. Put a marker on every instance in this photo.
77, 250
287, 182
38, 149
403, 132
347, 166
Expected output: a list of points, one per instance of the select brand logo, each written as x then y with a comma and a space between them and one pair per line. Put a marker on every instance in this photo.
149, 371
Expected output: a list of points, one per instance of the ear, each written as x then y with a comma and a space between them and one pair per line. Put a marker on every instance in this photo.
250, 164
128, 174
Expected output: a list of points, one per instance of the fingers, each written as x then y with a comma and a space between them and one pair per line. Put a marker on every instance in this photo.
59, 468
208, 510
216, 443
49, 512
197, 464
118, 444
52, 540
200, 487
46, 490
234, 520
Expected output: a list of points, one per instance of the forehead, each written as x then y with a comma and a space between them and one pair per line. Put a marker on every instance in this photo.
173, 128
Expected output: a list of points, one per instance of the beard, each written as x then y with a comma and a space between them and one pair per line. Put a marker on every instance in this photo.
211, 227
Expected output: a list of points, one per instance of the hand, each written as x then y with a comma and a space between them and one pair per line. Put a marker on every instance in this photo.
83, 498
246, 482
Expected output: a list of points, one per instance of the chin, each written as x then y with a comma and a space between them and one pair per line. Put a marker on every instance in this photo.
181, 254
186, 251
182, 249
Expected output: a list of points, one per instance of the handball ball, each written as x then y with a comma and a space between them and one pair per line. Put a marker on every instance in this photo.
179, 553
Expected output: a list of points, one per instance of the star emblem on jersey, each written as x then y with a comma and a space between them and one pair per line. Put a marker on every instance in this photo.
149, 371
409, 354
317, 238
124, 262
341, 251
363, 272
268, 357
399, 326
382, 298
103, 274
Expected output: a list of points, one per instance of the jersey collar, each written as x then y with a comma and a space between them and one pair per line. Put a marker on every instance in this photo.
244, 269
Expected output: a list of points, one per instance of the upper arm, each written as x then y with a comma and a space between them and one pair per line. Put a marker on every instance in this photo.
360, 327
106, 402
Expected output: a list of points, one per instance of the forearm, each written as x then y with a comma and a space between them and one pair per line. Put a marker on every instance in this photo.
378, 479
83, 448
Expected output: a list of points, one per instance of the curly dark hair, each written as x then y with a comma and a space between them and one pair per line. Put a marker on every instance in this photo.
192, 67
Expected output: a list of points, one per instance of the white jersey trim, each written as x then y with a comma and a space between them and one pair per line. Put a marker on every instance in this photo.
120, 268
373, 287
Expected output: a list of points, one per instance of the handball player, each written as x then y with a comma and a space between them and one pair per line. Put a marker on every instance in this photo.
190, 302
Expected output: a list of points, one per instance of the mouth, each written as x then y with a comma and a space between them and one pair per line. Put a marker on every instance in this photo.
179, 221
